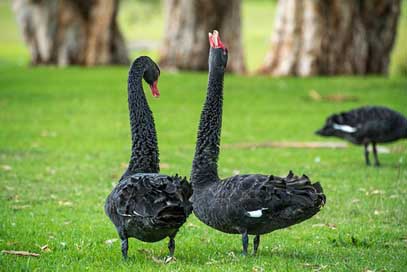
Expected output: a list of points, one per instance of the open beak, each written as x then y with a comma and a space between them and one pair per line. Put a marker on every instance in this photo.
154, 89
215, 42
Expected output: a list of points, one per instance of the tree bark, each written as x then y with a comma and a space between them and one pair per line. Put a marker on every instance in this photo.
71, 32
185, 45
318, 37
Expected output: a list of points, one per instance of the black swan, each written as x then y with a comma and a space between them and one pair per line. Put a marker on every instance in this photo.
243, 204
145, 204
366, 125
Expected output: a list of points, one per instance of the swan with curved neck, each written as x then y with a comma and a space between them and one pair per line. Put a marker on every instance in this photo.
144, 204
243, 204
144, 151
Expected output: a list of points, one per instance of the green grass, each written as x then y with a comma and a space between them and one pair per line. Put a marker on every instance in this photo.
64, 138
65, 135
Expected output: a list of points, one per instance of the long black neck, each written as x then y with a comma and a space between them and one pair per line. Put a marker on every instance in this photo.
144, 151
205, 164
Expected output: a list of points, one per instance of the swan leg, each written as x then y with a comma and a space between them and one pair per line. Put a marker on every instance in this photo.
256, 244
171, 246
245, 242
376, 158
125, 247
367, 154
124, 244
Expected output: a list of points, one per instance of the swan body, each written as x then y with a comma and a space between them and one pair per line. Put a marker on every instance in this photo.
257, 204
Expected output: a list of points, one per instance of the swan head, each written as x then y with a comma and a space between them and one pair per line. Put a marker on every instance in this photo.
328, 128
334, 126
218, 54
151, 75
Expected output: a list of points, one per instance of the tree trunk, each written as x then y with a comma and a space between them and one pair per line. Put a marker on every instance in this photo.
318, 37
188, 22
71, 32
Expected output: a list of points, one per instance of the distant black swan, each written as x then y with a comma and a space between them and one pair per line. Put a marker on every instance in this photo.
366, 125
145, 204
243, 204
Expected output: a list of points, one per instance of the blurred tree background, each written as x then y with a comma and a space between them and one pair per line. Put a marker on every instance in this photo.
358, 40
336, 37
66, 32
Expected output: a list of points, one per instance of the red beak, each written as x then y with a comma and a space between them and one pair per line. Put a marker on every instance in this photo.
154, 89
214, 40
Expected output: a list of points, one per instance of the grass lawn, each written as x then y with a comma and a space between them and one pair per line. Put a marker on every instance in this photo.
64, 142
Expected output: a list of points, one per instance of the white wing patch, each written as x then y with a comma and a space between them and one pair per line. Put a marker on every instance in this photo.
344, 128
256, 213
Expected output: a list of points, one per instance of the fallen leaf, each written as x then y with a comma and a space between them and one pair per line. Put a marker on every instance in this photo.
53, 196
212, 261
9, 188
377, 212
110, 241
314, 95
338, 97
65, 203
20, 253
315, 267
331, 226
318, 225
15, 198
11, 243
6, 167
51, 170
45, 248
20, 207
164, 165
355, 200
375, 192
328, 225
257, 269
46, 133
